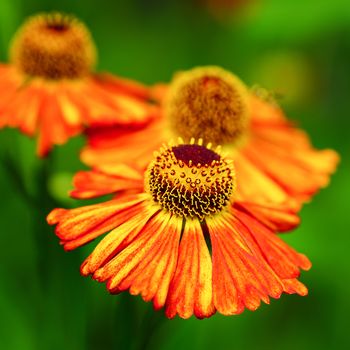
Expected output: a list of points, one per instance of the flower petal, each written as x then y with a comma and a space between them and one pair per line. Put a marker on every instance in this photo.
127, 101
53, 128
284, 153
78, 226
126, 145
241, 278
90, 184
151, 278
284, 260
146, 266
292, 286
255, 186
117, 240
191, 289
277, 217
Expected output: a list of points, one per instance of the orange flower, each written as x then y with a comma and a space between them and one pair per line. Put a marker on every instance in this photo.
49, 88
274, 160
180, 236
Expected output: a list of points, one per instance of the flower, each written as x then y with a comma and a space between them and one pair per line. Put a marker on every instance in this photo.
180, 236
49, 87
274, 160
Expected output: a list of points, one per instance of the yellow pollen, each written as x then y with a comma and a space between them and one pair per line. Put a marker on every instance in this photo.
191, 180
209, 103
53, 46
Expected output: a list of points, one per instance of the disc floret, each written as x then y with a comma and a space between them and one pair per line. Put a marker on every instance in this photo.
209, 103
191, 180
53, 46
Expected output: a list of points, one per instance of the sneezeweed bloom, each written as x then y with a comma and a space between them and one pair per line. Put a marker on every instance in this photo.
179, 235
274, 160
49, 87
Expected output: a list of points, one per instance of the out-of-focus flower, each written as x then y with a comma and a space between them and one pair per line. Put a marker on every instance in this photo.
274, 160
49, 87
180, 236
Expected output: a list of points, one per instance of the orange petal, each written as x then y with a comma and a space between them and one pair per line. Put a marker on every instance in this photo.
123, 86
123, 145
78, 226
277, 217
53, 128
284, 153
265, 113
284, 260
118, 105
191, 289
146, 266
117, 240
285, 168
73, 114
159, 92
152, 276
253, 185
292, 286
30, 118
19, 106
89, 184
120, 266
8, 92
241, 278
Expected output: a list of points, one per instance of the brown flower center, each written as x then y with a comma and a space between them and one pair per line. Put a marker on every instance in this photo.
208, 103
53, 46
191, 180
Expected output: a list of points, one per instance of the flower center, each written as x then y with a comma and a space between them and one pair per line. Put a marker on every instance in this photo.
191, 180
53, 46
208, 103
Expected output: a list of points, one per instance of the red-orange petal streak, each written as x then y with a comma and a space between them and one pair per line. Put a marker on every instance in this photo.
53, 129
240, 277
156, 269
147, 264
292, 286
278, 217
81, 225
117, 240
191, 289
282, 258
256, 186
124, 145
89, 184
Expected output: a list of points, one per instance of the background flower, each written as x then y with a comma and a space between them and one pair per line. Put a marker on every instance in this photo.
275, 160
49, 87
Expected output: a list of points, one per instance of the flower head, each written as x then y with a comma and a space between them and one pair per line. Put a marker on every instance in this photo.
274, 160
180, 237
53, 46
49, 87
208, 103
190, 180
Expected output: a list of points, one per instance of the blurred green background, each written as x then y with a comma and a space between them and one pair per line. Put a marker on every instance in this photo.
297, 48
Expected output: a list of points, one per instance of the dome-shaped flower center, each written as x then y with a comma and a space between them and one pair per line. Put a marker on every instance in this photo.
208, 103
191, 180
53, 46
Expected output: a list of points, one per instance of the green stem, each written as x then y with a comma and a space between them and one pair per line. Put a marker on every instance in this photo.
15, 176
149, 327
44, 238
